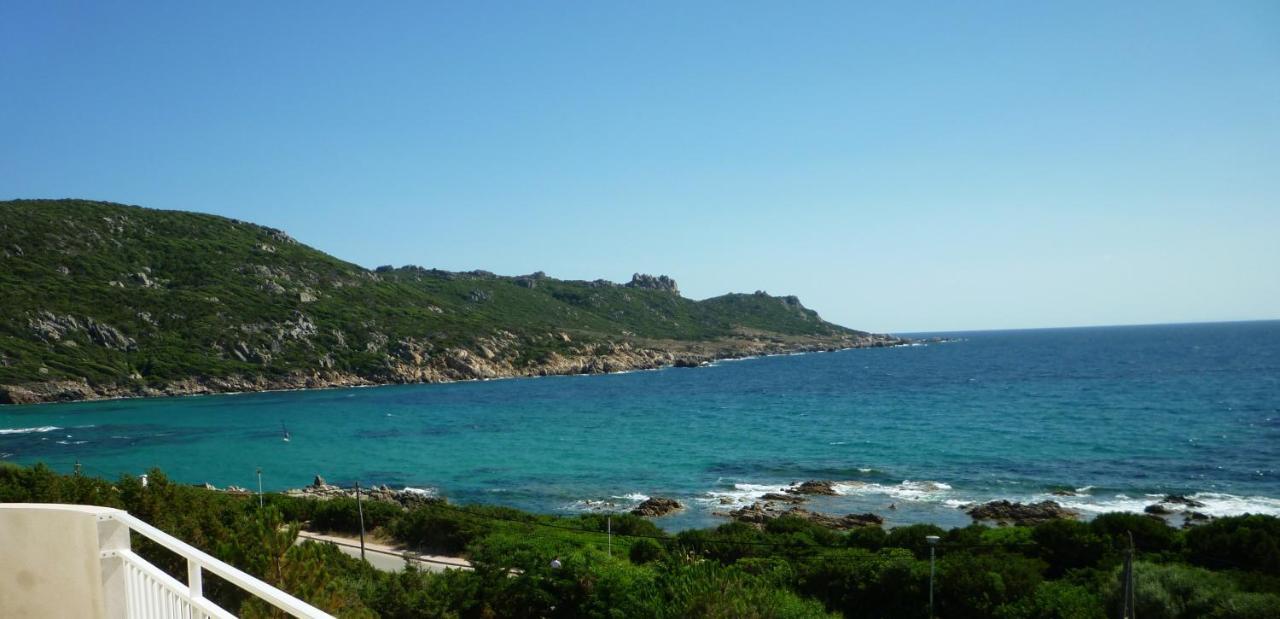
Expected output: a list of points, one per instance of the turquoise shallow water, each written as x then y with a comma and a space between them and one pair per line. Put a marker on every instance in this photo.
1119, 412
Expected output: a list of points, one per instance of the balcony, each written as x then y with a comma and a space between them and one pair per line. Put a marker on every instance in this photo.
76, 561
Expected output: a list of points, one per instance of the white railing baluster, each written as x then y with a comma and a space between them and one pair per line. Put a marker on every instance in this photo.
195, 580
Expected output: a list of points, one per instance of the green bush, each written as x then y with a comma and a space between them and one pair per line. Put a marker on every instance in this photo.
343, 515
867, 538
912, 538
860, 583
708, 589
644, 551
978, 585
726, 543
1181, 592
623, 524
1150, 535
438, 529
1245, 542
801, 532
1067, 545
1056, 600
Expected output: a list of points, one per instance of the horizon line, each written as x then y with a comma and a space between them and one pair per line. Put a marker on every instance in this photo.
1089, 326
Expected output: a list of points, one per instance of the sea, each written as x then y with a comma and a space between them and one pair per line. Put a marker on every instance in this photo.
1114, 418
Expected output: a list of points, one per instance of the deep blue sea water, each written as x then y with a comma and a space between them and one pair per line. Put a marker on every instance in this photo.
1120, 413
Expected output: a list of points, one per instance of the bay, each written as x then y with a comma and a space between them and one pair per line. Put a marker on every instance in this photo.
1119, 416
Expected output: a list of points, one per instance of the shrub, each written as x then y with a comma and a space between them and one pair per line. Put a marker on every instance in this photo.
913, 538
726, 543
859, 583
1067, 545
800, 531
342, 514
708, 589
1182, 592
976, 585
438, 529
623, 524
1247, 542
1150, 535
868, 538
1056, 600
644, 551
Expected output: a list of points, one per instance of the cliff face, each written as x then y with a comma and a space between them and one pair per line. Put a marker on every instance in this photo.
104, 300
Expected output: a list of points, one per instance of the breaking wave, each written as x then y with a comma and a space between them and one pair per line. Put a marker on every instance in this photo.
28, 430
611, 504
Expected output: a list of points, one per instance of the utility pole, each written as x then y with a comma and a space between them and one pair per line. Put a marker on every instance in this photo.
609, 523
933, 545
360, 509
1128, 612
259, 487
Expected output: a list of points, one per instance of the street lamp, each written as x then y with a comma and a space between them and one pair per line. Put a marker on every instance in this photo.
933, 545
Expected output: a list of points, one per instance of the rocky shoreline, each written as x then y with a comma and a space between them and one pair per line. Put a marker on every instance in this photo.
459, 364
783, 504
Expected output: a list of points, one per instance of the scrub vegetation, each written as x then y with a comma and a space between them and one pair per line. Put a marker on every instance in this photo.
125, 300
1225, 569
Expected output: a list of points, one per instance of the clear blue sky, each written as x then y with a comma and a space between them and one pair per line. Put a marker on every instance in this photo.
943, 166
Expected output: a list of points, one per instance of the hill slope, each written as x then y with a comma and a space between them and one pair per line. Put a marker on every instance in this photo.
106, 300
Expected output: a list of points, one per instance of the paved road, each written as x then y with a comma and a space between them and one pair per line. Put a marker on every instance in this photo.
387, 558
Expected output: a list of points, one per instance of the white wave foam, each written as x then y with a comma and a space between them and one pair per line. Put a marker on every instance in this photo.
617, 502
746, 494
924, 491
1215, 504
28, 430
4, 455
420, 491
1218, 504
1100, 505
741, 494
589, 505
72, 442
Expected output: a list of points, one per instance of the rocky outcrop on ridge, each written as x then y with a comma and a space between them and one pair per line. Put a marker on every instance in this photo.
650, 282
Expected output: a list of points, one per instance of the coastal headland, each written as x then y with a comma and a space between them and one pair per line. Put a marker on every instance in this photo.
111, 301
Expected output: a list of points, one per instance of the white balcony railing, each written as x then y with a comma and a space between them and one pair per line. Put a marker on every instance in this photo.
75, 560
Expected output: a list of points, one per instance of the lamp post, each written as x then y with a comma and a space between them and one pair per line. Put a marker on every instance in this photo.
360, 509
933, 545
259, 487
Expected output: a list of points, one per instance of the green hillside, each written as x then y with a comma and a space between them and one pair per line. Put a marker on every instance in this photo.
101, 299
